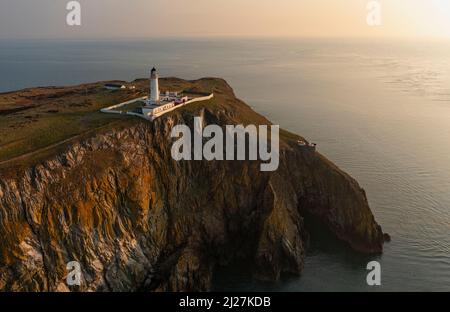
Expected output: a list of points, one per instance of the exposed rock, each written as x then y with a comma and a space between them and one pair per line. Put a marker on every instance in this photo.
135, 219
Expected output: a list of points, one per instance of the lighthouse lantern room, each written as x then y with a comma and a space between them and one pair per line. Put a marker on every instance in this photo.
154, 87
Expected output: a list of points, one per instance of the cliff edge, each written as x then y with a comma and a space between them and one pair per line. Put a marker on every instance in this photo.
115, 201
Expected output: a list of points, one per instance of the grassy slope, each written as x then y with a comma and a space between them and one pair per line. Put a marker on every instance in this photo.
34, 121
36, 118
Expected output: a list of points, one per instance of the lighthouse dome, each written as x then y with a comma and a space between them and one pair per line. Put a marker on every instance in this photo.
154, 73
154, 86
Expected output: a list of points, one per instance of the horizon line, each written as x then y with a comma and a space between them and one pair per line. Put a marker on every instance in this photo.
199, 37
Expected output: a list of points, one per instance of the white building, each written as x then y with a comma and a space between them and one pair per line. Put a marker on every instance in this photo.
170, 94
112, 86
157, 104
154, 87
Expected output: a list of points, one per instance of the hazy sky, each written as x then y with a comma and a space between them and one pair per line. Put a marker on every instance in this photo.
190, 18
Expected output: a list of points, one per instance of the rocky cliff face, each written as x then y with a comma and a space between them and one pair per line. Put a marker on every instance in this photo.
135, 219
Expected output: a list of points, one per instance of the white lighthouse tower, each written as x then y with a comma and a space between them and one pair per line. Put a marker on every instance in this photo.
154, 87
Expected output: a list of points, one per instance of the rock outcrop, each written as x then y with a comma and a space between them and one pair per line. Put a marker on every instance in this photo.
135, 219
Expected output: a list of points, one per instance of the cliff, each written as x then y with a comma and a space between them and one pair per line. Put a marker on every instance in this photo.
115, 201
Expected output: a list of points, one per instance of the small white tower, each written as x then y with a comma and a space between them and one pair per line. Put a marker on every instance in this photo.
154, 86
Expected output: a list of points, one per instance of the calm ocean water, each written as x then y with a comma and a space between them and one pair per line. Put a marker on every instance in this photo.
380, 110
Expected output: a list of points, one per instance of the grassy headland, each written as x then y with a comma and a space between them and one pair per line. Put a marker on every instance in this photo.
35, 121
36, 118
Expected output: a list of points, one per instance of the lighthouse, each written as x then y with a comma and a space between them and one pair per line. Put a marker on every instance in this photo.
154, 86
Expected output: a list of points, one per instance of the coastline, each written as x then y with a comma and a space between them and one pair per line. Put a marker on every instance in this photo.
266, 207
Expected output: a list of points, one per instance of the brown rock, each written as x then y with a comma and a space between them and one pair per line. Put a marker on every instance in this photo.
135, 219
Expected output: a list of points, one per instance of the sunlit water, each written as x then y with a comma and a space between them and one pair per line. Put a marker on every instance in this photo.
380, 110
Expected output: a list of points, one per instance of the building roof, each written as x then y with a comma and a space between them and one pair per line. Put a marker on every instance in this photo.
114, 85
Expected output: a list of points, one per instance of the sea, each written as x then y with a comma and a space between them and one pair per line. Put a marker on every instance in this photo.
379, 109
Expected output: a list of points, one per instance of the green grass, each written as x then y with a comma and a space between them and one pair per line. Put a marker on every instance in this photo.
48, 117
130, 107
32, 120
197, 106
49, 130
50, 120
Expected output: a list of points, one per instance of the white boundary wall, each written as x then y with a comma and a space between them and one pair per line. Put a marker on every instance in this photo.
110, 109
199, 99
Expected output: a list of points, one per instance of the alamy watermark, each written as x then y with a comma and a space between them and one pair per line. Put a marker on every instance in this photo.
73, 18
235, 138
74, 273
374, 276
374, 17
